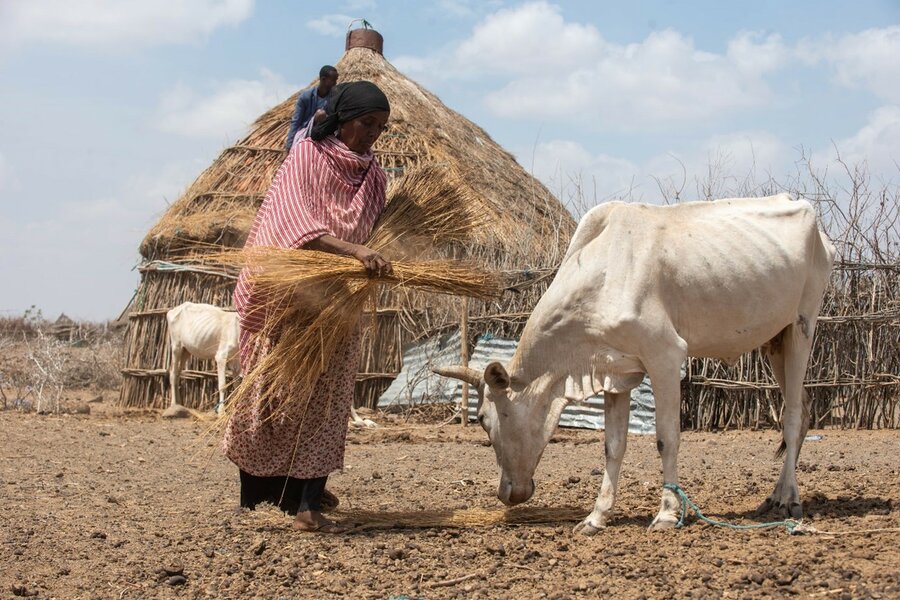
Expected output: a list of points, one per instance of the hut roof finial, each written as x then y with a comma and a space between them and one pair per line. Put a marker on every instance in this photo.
364, 37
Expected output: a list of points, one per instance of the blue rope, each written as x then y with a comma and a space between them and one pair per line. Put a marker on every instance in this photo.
789, 524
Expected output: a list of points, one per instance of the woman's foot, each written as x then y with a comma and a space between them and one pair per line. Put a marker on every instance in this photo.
315, 521
329, 501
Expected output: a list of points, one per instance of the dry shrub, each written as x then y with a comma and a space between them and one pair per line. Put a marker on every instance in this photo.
36, 367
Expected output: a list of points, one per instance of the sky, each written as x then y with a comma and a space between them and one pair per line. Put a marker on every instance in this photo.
109, 109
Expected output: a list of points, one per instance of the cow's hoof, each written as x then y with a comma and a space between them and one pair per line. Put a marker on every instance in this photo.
587, 528
662, 525
764, 508
793, 510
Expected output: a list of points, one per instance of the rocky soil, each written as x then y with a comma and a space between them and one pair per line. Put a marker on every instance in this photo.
113, 505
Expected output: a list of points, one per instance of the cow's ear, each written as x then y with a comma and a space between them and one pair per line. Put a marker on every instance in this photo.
496, 377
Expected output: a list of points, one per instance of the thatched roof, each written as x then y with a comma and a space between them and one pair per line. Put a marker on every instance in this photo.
524, 218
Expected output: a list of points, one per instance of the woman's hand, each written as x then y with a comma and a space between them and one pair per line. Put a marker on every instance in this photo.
376, 265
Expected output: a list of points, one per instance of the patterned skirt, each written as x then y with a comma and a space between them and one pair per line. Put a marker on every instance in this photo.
304, 443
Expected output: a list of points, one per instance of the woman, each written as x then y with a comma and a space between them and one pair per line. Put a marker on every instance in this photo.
326, 196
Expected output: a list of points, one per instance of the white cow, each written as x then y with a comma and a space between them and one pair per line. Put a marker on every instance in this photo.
640, 289
210, 333
206, 332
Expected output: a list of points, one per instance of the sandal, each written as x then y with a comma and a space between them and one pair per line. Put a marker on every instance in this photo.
324, 527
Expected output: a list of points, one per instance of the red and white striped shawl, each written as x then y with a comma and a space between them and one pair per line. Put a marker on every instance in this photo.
322, 188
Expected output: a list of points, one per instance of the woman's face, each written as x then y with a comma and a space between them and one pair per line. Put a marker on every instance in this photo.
359, 134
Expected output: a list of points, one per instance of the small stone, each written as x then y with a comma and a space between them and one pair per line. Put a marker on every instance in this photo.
22, 591
60, 474
376, 475
259, 547
174, 568
209, 552
574, 479
596, 472
98, 535
757, 578
396, 554
176, 580
785, 580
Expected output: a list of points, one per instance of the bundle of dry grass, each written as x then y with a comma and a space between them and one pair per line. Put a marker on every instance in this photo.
428, 207
469, 517
456, 519
313, 301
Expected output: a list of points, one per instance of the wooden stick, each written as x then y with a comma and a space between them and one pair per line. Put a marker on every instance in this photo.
449, 582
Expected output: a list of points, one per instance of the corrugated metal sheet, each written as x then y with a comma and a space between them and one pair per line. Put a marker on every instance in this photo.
416, 384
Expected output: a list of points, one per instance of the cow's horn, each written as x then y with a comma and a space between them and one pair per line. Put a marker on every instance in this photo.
470, 376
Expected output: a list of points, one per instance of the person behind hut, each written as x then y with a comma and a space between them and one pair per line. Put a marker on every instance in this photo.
311, 102
326, 196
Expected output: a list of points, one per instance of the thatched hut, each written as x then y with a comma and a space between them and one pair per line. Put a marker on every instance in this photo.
526, 231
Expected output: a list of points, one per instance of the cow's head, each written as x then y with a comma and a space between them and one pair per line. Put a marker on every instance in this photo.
519, 418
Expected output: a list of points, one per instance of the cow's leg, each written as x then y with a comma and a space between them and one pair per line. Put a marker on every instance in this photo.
358, 421
789, 360
616, 408
666, 384
233, 363
221, 363
179, 354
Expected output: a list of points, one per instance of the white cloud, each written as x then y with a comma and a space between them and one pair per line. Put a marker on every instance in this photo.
877, 144
661, 81
333, 25
529, 38
577, 177
752, 53
728, 162
117, 23
225, 110
866, 59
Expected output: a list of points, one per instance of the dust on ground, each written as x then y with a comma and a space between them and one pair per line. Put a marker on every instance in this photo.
127, 505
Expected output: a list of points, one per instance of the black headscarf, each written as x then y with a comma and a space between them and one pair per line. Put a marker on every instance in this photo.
348, 101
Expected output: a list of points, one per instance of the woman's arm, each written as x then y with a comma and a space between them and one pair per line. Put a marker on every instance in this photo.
375, 264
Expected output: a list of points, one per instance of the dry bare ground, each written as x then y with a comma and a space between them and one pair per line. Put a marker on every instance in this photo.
115, 505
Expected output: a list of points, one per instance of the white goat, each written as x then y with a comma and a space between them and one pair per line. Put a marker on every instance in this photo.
206, 332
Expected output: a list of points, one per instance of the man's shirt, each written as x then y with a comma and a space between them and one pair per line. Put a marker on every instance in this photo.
308, 102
